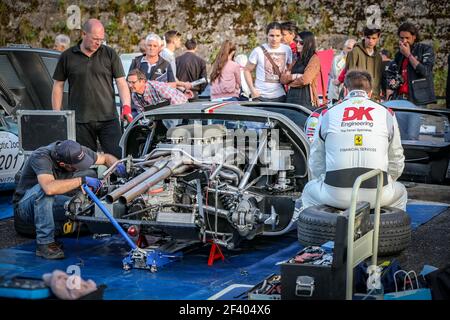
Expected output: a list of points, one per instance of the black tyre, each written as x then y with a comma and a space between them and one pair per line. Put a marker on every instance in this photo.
24, 229
317, 224
21, 227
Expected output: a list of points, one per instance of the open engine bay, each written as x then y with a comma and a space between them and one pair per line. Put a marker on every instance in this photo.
202, 179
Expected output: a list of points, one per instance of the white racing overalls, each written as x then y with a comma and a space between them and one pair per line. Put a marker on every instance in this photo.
352, 138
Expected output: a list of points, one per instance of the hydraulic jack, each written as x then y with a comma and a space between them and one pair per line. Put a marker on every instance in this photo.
139, 258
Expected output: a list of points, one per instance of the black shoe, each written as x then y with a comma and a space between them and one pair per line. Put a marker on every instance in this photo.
49, 251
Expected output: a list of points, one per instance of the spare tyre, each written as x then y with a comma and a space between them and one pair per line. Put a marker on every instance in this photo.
22, 228
317, 225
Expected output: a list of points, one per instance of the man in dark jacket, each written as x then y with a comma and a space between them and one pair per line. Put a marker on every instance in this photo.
154, 67
191, 67
365, 56
410, 75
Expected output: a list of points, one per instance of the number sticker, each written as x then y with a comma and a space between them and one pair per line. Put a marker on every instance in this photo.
10, 159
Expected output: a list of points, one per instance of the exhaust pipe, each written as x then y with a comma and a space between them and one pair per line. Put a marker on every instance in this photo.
113, 196
173, 167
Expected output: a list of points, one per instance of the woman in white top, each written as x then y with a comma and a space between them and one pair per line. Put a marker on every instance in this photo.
225, 76
242, 60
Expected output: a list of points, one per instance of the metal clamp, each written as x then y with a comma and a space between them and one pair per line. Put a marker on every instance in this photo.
304, 286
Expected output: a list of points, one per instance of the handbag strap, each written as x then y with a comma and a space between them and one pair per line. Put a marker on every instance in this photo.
324, 90
274, 65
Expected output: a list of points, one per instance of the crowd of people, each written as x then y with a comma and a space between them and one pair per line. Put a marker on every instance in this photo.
285, 68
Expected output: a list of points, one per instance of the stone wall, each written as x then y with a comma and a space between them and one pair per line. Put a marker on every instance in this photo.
36, 22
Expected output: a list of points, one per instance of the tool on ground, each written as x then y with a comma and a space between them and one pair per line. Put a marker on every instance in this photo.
215, 253
148, 258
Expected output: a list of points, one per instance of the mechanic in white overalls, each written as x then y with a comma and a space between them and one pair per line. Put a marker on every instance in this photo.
352, 138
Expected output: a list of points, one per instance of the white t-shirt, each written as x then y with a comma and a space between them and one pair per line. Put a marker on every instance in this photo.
169, 56
267, 82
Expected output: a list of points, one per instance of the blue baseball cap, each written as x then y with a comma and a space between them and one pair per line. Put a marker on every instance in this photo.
71, 152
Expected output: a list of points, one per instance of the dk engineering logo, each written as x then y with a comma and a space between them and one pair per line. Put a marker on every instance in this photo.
354, 116
354, 113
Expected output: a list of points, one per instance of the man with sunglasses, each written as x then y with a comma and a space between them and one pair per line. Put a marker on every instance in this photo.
90, 68
148, 94
48, 175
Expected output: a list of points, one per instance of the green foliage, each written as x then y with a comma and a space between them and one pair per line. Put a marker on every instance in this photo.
440, 81
47, 42
112, 26
252, 41
60, 26
245, 18
62, 4
123, 7
213, 55
389, 42
244, 24
388, 11
273, 12
298, 16
325, 23
27, 33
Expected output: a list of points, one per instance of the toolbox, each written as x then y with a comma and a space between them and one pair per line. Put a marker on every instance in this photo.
268, 289
23, 288
39, 128
312, 282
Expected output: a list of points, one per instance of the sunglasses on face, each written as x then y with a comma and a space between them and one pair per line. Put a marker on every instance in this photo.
133, 82
299, 41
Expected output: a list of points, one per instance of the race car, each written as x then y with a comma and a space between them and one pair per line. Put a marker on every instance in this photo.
25, 83
206, 171
227, 171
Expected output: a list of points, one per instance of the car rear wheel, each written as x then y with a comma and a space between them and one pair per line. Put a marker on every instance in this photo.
317, 225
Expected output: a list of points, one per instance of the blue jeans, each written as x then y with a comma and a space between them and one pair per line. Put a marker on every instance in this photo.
42, 211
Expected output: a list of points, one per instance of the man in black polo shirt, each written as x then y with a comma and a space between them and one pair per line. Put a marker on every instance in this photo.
49, 173
90, 68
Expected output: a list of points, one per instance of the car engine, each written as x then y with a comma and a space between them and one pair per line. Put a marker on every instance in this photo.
201, 182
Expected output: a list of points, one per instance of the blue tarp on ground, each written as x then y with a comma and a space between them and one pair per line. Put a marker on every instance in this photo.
6, 210
190, 278
421, 213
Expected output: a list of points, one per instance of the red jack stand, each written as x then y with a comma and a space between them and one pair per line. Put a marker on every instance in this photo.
142, 241
215, 253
